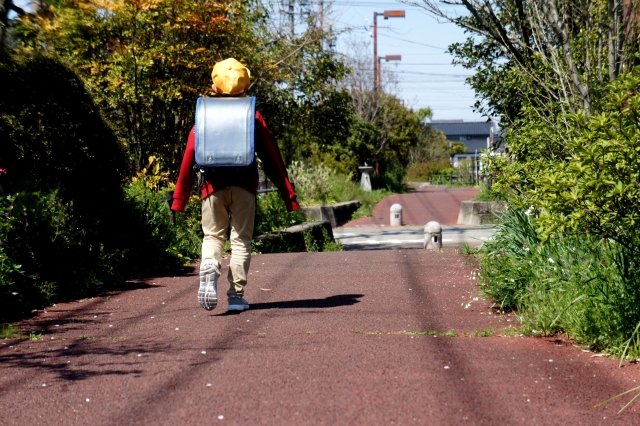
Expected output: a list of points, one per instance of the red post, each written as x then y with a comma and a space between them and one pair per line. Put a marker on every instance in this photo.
379, 74
376, 68
375, 51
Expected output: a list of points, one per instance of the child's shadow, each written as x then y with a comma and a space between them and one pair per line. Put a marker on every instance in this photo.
328, 302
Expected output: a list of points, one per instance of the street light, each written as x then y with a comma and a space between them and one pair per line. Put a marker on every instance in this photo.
386, 14
387, 58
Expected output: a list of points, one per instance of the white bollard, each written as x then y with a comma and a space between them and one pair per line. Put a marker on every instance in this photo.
432, 236
395, 215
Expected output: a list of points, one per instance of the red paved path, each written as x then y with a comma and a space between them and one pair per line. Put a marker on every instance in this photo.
420, 206
300, 355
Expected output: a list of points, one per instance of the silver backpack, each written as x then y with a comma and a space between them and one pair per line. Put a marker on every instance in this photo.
225, 132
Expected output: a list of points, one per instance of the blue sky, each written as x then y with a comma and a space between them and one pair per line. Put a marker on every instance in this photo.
427, 77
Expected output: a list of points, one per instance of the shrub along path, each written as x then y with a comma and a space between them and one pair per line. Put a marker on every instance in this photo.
420, 206
332, 338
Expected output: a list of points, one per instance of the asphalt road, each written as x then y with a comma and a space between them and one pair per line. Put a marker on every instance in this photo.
422, 205
408, 237
343, 338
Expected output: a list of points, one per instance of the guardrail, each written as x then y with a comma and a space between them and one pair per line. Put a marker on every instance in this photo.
452, 179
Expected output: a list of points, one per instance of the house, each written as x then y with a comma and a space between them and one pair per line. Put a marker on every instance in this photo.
475, 135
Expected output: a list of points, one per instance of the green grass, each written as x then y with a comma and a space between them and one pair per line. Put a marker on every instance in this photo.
367, 332
488, 195
485, 332
7, 331
581, 285
35, 336
510, 332
467, 250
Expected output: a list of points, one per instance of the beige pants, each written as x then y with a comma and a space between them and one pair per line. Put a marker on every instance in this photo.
236, 207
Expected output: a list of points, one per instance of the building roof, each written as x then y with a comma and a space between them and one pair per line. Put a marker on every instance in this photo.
466, 128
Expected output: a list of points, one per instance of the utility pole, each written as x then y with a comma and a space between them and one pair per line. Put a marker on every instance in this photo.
386, 14
387, 58
292, 17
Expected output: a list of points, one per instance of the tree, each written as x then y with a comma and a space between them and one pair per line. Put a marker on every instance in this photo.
563, 51
384, 129
6, 7
147, 61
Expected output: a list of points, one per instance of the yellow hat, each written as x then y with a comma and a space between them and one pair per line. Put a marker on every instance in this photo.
231, 77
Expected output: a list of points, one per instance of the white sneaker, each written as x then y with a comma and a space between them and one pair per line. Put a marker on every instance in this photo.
208, 291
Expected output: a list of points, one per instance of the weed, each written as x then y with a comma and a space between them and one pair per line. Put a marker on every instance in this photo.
485, 332
367, 332
330, 245
308, 332
579, 285
86, 338
467, 250
488, 195
422, 333
118, 338
35, 336
7, 331
510, 331
450, 333
108, 298
636, 389
311, 245
263, 334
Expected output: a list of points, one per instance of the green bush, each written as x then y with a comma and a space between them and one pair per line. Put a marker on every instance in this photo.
489, 195
47, 254
336, 188
272, 218
272, 215
421, 172
68, 229
391, 180
313, 183
584, 286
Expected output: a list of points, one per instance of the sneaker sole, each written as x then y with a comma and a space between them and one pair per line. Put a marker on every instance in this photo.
207, 293
208, 300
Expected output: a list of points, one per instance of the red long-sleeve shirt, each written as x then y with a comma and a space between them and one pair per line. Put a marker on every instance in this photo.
267, 151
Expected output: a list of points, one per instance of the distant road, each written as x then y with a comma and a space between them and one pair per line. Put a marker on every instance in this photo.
408, 237
420, 206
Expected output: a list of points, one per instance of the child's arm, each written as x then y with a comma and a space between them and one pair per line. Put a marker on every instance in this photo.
273, 163
187, 175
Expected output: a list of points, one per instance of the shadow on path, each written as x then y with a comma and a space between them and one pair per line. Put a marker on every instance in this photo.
327, 302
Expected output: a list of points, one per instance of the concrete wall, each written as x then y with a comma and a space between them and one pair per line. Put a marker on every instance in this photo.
479, 212
336, 214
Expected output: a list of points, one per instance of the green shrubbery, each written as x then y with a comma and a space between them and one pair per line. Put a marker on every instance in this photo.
69, 226
48, 254
575, 267
319, 185
421, 172
486, 194
584, 285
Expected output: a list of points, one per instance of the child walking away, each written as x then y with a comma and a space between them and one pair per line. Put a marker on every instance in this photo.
222, 144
